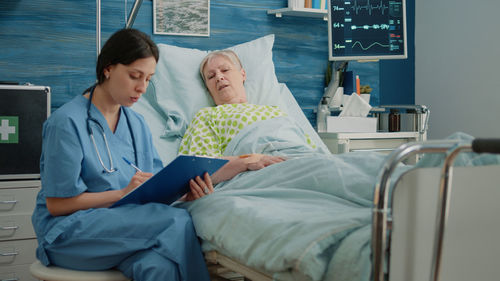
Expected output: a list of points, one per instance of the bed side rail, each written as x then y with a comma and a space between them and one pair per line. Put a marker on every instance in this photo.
486, 146
445, 189
381, 196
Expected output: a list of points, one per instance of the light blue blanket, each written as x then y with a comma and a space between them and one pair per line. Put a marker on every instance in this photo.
297, 218
307, 218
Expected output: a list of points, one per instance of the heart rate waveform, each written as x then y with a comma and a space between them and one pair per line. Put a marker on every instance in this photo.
369, 46
369, 7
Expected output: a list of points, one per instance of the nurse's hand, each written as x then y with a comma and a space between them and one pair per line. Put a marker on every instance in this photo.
137, 179
198, 188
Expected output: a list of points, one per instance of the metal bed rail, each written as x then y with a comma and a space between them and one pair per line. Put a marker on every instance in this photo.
380, 218
445, 189
381, 211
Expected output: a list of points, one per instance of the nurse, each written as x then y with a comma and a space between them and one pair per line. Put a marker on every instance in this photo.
83, 173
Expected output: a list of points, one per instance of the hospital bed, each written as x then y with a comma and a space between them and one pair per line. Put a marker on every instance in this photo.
403, 238
420, 248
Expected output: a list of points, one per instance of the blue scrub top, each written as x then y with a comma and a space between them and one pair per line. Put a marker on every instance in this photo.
69, 164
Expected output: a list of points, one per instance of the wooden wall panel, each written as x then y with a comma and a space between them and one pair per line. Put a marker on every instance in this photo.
52, 43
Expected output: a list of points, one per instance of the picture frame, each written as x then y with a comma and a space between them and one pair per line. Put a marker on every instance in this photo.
181, 17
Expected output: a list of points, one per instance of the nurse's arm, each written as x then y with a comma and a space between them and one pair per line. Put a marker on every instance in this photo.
61, 206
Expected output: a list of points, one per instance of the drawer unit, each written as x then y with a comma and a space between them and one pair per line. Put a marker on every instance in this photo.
17, 238
17, 252
380, 141
346, 142
18, 200
16, 273
16, 227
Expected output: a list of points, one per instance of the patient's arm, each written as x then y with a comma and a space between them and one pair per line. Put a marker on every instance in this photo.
238, 164
208, 134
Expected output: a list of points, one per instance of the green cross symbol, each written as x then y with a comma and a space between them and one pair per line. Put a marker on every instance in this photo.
9, 129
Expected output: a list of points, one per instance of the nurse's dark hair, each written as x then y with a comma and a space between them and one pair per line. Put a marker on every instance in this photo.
124, 47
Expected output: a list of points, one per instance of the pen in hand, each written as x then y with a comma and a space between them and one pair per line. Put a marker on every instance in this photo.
131, 164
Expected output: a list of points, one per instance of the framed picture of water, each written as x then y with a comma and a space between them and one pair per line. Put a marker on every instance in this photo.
182, 17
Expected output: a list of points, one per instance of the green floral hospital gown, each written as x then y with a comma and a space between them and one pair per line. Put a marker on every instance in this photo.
213, 128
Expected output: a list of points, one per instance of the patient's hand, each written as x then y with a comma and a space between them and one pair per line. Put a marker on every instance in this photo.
238, 164
259, 161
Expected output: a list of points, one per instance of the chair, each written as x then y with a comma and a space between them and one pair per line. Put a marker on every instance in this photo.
54, 273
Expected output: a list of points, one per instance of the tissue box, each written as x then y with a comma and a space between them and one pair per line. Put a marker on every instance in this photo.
351, 124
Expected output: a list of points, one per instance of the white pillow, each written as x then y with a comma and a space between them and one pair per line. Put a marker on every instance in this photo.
178, 91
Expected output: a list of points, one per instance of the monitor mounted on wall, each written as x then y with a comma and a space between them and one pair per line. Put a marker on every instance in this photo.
366, 29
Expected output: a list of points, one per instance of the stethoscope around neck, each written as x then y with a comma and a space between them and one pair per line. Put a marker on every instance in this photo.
111, 168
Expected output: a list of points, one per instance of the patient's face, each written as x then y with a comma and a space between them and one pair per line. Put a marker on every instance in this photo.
224, 81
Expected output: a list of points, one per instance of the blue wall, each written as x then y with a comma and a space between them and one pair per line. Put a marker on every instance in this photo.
397, 77
52, 43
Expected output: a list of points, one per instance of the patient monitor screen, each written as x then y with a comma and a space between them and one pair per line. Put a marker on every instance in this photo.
366, 29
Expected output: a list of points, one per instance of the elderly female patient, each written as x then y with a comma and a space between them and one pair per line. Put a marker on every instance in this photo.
214, 127
296, 196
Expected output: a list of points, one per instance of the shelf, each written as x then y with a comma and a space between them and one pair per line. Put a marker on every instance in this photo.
300, 12
374, 109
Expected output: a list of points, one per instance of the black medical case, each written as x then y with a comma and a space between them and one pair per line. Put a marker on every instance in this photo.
23, 109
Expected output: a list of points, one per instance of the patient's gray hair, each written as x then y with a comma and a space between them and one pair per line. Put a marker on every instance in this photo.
231, 55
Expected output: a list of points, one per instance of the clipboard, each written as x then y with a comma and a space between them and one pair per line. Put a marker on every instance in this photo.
172, 182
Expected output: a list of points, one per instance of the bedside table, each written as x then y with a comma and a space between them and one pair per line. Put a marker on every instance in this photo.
379, 141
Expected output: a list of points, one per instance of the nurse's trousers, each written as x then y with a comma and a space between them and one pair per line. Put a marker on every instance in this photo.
150, 242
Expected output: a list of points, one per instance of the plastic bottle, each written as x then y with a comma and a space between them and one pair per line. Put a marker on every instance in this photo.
321, 115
